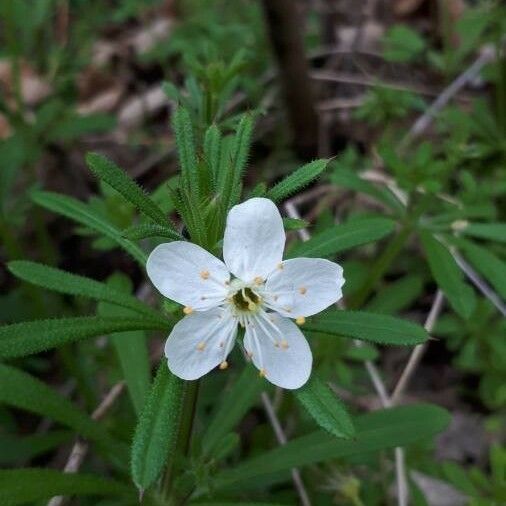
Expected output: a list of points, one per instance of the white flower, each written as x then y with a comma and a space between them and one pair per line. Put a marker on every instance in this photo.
253, 287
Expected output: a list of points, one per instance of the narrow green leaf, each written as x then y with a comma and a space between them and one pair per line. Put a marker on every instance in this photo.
131, 347
20, 390
326, 409
18, 449
343, 237
212, 151
376, 328
107, 171
85, 215
343, 177
239, 155
138, 232
397, 296
294, 223
234, 405
448, 275
492, 231
72, 284
21, 486
157, 430
297, 180
486, 263
183, 130
26, 338
379, 430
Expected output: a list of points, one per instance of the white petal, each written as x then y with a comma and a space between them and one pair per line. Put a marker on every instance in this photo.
254, 239
279, 350
188, 274
304, 286
200, 342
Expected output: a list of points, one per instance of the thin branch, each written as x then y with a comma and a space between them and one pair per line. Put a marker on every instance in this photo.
282, 440
422, 123
419, 350
80, 448
483, 287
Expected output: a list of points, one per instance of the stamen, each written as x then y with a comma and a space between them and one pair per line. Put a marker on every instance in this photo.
280, 266
204, 274
302, 290
187, 310
201, 346
288, 309
300, 320
258, 280
223, 365
284, 344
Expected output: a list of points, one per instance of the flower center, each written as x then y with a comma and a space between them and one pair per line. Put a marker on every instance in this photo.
246, 299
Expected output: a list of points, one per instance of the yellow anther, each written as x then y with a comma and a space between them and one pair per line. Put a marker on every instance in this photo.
280, 266
187, 310
204, 274
262, 373
223, 365
252, 306
300, 320
284, 344
201, 346
302, 290
258, 280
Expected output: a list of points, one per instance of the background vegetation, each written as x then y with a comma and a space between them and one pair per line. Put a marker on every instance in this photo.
379, 128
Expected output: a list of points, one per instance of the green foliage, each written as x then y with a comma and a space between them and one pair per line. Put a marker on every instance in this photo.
26, 338
157, 431
19, 449
448, 275
131, 347
65, 282
326, 409
402, 44
297, 180
84, 214
376, 328
22, 486
375, 431
339, 238
20, 390
109, 172
491, 231
138, 232
234, 405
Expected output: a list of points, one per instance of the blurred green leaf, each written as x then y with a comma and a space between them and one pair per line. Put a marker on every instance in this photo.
486, 263
379, 430
85, 215
17, 449
138, 232
131, 347
233, 406
402, 44
376, 328
343, 237
21, 486
448, 275
492, 231
22, 391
